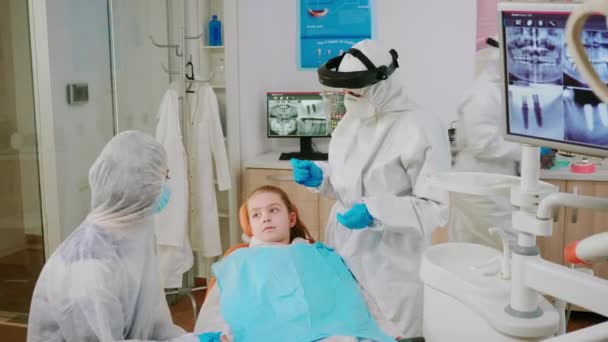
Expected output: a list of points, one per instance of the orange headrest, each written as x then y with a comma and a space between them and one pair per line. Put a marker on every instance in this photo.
244, 220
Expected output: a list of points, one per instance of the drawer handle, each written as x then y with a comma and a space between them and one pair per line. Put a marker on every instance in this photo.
279, 178
556, 215
575, 210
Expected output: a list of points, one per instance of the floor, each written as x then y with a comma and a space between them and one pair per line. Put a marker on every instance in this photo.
182, 312
18, 274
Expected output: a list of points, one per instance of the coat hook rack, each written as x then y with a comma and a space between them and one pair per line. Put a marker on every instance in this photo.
194, 37
170, 46
168, 71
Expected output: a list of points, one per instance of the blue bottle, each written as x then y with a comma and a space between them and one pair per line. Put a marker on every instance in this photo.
215, 32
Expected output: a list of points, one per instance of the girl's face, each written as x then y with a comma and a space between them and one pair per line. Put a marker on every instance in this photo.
269, 217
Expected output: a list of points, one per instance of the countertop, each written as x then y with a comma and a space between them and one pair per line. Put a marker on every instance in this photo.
271, 161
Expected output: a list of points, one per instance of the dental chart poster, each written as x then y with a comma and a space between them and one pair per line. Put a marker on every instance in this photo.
330, 27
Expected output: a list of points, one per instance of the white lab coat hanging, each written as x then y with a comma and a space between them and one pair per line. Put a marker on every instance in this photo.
171, 225
207, 147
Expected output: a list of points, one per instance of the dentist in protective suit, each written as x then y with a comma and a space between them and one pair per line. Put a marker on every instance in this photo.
379, 156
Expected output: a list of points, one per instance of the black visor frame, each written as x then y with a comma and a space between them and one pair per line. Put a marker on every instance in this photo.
330, 76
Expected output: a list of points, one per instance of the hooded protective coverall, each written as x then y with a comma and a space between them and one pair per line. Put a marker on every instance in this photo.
102, 283
482, 148
380, 154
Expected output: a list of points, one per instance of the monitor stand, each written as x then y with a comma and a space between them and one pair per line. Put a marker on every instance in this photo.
306, 152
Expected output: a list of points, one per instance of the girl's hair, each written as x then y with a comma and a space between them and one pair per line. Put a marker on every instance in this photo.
299, 230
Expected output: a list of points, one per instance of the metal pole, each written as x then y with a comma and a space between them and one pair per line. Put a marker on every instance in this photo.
114, 84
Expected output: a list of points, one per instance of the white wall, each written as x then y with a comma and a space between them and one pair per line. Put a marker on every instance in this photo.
435, 40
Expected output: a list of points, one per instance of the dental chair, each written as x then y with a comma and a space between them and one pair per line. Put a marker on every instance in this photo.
247, 232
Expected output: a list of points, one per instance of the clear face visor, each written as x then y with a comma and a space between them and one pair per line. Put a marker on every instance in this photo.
333, 103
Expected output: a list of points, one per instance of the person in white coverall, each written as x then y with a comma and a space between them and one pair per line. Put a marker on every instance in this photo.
379, 156
102, 283
482, 148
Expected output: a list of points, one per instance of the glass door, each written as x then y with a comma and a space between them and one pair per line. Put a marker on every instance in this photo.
21, 239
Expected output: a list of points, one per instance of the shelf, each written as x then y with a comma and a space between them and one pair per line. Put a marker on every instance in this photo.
213, 47
218, 86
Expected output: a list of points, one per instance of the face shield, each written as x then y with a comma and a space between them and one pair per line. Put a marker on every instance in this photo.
348, 88
330, 77
333, 104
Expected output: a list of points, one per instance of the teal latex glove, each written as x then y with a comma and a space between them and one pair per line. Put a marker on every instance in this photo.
307, 173
358, 217
545, 151
546, 158
210, 336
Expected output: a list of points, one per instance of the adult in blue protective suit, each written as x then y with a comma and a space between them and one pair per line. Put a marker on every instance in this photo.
379, 156
102, 283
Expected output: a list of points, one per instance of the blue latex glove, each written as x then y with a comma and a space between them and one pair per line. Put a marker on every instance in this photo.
307, 173
210, 336
358, 217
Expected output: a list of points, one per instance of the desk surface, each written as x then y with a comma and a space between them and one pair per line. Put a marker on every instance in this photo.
271, 161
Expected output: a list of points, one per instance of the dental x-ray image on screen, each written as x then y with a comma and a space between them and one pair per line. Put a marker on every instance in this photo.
301, 115
535, 53
596, 47
283, 117
586, 118
533, 110
546, 96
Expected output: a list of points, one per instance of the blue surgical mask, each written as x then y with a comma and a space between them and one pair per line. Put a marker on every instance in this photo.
163, 199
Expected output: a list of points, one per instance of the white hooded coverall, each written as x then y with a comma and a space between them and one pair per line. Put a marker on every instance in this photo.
102, 283
382, 159
482, 148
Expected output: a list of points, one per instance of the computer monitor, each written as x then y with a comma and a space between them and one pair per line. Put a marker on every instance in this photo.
305, 116
547, 102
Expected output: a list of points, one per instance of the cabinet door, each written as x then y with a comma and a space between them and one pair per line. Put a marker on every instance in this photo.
552, 247
325, 205
581, 223
304, 200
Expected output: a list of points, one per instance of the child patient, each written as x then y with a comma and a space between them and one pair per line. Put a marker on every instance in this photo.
283, 288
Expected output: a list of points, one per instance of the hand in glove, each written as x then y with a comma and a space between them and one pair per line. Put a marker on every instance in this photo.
547, 158
307, 173
358, 217
210, 337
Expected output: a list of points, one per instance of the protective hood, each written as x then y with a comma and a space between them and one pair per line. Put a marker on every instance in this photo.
126, 179
386, 96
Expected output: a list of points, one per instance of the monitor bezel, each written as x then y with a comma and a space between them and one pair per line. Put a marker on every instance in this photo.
552, 7
290, 136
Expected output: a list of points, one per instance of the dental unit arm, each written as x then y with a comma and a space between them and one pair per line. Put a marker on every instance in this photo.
531, 275
589, 251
